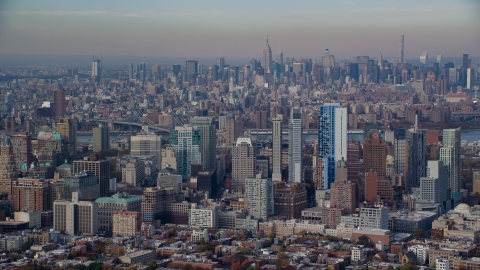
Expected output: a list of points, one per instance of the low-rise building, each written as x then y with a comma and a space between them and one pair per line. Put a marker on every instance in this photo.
141, 256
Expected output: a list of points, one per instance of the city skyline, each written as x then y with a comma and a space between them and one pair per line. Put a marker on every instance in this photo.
190, 29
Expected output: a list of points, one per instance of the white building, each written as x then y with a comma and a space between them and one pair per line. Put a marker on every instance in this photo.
450, 155
433, 187
134, 173
295, 146
421, 252
374, 217
441, 264
358, 255
341, 120
199, 235
277, 148
259, 194
147, 143
203, 217
75, 217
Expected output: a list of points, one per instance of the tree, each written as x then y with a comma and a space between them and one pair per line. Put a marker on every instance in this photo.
419, 233
236, 266
251, 267
245, 251
152, 265
390, 267
95, 266
116, 261
271, 236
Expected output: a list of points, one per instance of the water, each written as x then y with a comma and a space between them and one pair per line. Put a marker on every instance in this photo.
83, 138
466, 135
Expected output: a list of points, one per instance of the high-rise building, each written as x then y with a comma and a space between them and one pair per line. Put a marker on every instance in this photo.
30, 195
375, 154
117, 202
176, 69
100, 169
450, 155
7, 168
96, 70
75, 216
59, 101
186, 140
399, 150
332, 139
344, 195
295, 146
126, 223
206, 125
231, 132
277, 148
101, 138
206, 182
220, 66
289, 199
147, 143
191, 69
68, 129
243, 160
259, 197
155, 202
354, 149
401, 47
267, 58
424, 60
433, 187
465, 61
415, 157
476, 182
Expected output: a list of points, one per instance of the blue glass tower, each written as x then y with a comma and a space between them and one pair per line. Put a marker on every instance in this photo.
326, 142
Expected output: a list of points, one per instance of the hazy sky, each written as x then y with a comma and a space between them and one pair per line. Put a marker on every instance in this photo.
238, 28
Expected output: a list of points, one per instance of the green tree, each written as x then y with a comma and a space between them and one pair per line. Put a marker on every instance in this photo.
152, 265
271, 236
245, 251
95, 266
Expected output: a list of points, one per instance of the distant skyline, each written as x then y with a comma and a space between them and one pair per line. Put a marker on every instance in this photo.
238, 29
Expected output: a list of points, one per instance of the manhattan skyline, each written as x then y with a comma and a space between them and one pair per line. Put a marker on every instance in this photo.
237, 30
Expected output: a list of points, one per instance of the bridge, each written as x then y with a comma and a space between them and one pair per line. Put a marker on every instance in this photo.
125, 125
305, 131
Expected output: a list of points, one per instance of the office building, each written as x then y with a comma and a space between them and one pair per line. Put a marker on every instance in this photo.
267, 58
96, 70
399, 151
332, 139
401, 47
107, 206
186, 141
7, 170
30, 195
85, 183
155, 202
68, 129
206, 125
277, 148
126, 223
191, 68
295, 168
289, 199
476, 182
169, 158
22, 149
101, 138
375, 154
168, 179
100, 169
206, 182
134, 173
143, 257
231, 132
60, 103
344, 195
147, 143
75, 216
415, 157
450, 155
433, 187
354, 150
424, 60
243, 160
259, 197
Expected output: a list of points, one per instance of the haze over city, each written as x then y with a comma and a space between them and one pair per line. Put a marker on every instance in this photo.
238, 29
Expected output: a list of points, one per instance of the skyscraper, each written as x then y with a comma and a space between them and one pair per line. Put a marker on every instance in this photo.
424, 60
220, 66
415, 158
206, 125
399, 151
267, 58
59, 101
186, 141
401, 47
191, 69
433, 187
7, 168
277, 148
147, 143
99, 168
375, 154
231, 133
259, 195
295, 146
450, 155
22, 150
101, 138
332, 139
243, 160
343, 195
289, 199
96, 70
68, 129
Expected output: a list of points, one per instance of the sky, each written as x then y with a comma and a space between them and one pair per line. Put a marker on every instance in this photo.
214, 28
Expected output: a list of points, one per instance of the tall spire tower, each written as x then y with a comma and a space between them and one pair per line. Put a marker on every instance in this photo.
267, 58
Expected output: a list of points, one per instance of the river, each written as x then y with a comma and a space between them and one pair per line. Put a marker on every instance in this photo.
466, 135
